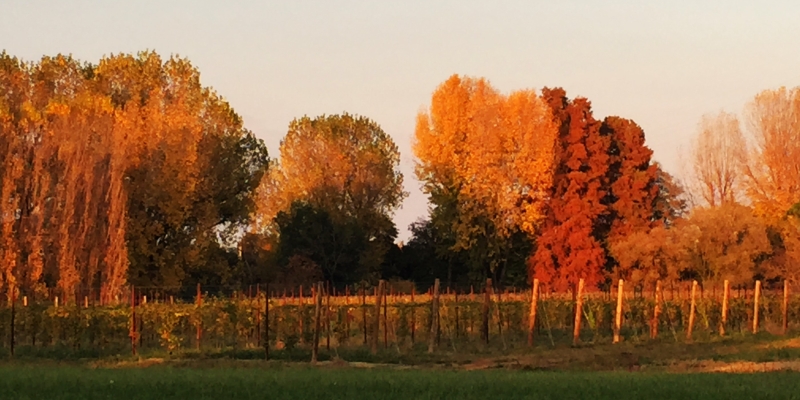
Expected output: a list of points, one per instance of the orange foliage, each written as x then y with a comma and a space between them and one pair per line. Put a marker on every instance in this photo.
494, 151
567, 249
772, 164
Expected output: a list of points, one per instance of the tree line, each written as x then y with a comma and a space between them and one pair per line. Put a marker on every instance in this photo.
131, 172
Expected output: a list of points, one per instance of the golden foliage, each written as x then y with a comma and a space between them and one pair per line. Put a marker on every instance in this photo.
772, 162
496, 151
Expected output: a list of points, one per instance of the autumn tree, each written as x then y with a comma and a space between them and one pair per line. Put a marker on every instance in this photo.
726, 242
343, 170
631, 179
771, 163
125, 171
715, 158
487, 161
568, 249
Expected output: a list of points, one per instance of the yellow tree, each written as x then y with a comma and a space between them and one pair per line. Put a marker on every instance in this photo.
772, 163
339, 171
493, 153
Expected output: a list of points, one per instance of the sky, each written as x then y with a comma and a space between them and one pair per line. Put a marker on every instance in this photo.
661, 63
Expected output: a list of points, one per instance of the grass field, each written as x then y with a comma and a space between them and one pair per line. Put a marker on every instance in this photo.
735, 367
56, 382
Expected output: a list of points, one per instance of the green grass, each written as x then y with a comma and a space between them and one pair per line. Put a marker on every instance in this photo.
282, 382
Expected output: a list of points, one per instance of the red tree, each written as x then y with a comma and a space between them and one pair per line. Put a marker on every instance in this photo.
567, 249
631, 179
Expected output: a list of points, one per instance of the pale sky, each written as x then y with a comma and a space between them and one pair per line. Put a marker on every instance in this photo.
661, 63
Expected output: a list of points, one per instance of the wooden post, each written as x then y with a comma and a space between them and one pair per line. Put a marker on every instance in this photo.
328, 317
691, 311
55, 302
487, 298
618, 317
532, 313
346, 335
455, 302
199, 303
756, 298
266, 322
434, 317
13, 317
413, 313
726, 288
576, 333
385, 318
133, 321
656, 311
364, 312
376, 324
315, 293
785, 307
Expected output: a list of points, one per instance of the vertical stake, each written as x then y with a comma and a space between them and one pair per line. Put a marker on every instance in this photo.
785, 307
756, 298
413, 313
328, 316
726, 289
487, 298
618, 316
199, 302
376, 324
133, 320
576, 333
532, 313
315, 293
656, 311
692, 308
364, 312
385, 318
434, 317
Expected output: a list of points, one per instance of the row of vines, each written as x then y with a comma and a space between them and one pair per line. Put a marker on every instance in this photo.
244, 322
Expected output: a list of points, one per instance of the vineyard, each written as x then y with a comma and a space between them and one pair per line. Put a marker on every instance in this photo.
382, 317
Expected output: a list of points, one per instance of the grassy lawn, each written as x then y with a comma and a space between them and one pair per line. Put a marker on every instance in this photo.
259, 381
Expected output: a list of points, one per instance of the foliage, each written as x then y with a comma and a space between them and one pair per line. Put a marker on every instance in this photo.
331, 196
568, 249
124, 171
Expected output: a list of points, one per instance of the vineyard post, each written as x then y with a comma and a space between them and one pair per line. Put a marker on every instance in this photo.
24, 301
328, 316
576, 333
317, 296
133, 320
656, 311
376, 324
413, 313
434, 317
85, 301
198, 304
364, 312
756, 296
455, 301
302, 307
346, 335
785, 307
13, 317
724, 320
385, 318
532, 314
487, 298
692, 307
618, 316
